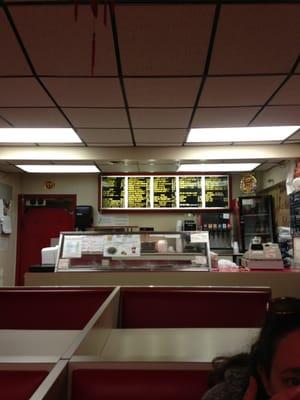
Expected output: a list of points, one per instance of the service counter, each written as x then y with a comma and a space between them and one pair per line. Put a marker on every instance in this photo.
282, 283
150, 258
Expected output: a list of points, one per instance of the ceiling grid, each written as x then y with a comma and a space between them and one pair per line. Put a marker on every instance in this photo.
161, 68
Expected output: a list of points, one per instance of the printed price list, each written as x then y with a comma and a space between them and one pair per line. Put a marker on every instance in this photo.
190, 192
113, 192
139, 192
164, 188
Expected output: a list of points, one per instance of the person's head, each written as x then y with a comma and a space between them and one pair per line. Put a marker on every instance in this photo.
276, 354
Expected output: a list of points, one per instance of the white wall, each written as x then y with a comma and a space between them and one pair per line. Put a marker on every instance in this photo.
85, 186
8, 242
275, 175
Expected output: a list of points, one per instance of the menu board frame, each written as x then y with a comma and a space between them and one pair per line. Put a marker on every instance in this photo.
152, 206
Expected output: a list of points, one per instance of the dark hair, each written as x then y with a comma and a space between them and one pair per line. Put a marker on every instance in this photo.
221, 364
282, 318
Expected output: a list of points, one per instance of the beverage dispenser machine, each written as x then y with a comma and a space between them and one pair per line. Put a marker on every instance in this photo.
219, 227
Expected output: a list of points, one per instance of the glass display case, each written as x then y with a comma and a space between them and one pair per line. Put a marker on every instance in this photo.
99, 251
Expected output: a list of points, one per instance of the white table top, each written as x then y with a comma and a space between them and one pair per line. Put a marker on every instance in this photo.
19, 342
188, 344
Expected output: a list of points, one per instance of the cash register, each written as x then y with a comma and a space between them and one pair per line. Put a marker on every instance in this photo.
262, 255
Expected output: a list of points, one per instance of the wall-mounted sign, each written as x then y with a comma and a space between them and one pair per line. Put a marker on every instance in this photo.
190, 191
113, 191
216, 192
138, 191
49, 184
164, 192
248, 184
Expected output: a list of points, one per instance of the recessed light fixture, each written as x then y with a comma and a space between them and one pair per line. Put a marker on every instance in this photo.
245, 134
222, 167
38, 135
57, 169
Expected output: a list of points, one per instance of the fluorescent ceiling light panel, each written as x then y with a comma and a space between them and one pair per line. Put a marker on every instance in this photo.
223, 167
246, 134
38, 135
55, 169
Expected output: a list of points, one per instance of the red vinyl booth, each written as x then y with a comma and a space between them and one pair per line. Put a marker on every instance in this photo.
210, 307
137, 384
20, 384
49, 308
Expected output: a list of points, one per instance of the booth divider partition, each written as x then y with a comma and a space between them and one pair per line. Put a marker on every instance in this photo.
21, 380
50, 308
143, 342
192, 307
138, 382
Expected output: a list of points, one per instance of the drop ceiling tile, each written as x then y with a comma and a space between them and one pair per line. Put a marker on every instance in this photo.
22, 92
160, 118
238, 91
34, 117
289, 93
97, 117
6, 167
73, 162
294, 138
256, 38
12, 59
164, 39
162, 92
58, 45
157, 137
85, 92
110, 137
3, 123
278, 115
223, 117
37, 162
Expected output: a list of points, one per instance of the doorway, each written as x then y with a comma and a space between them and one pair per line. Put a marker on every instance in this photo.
40, 218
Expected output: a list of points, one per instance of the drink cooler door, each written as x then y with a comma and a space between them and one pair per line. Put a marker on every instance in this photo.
256, 219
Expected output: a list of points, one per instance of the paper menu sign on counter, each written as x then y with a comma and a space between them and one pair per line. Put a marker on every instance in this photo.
200, 237
92, 243
122, 246
72, 247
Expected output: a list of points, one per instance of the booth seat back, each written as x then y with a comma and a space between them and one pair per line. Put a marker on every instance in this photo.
59, 308
19, 385
193, 307
137, 384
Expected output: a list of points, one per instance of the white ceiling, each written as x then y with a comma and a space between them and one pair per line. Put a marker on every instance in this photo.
161, 67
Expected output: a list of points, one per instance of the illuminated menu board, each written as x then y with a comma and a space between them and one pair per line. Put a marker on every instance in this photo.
164, 191
139, 192
113, 192
216, 192
190, 191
